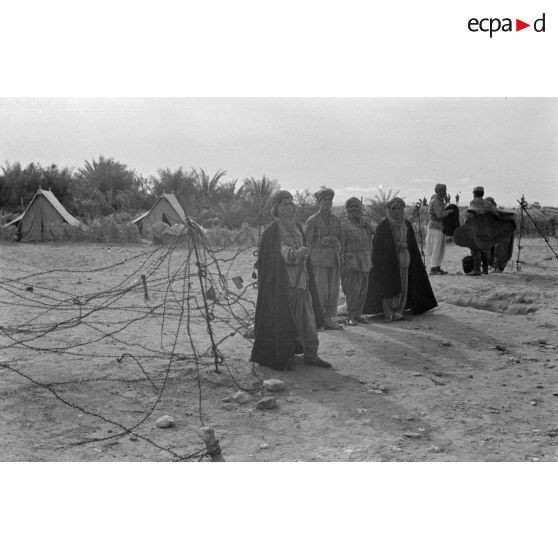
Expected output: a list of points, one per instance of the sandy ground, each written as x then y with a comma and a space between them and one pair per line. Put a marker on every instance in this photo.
473, 380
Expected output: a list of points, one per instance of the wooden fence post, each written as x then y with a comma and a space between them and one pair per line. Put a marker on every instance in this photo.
211, 443
144, 281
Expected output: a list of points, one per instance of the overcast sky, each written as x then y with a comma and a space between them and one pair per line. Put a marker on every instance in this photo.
354, 145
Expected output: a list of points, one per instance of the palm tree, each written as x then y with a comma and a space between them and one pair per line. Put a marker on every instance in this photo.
207, 186
115, 183
378, 205
257, 195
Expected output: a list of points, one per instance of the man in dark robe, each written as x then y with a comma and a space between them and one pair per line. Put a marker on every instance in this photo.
486, 232
287, 309
385, 276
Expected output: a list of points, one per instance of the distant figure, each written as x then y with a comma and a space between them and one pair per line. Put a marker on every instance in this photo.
323, 233
435, 238
398, 279
424, 202
478, 201
457, 199
486, 232
285, 322
478, 204
357, 260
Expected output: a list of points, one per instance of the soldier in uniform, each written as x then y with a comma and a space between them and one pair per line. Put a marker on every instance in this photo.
323, 234
357, 260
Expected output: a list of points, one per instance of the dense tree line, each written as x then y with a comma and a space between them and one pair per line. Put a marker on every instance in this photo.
104, 187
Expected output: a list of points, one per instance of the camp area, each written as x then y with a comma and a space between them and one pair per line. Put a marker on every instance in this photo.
103, 345
41, 218
279, 279
166, 210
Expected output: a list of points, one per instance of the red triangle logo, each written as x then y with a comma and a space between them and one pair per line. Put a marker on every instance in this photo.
519, 25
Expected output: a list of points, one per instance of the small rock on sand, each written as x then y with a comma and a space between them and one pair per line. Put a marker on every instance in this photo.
266, 403
166, 421
435, 449
242, 397
274, 385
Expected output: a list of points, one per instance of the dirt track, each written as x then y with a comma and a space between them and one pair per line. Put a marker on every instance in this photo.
474, 380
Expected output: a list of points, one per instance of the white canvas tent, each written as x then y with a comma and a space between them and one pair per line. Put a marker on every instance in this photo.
43, 211
165, 210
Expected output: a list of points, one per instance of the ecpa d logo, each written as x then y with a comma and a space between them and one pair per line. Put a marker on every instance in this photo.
492, 25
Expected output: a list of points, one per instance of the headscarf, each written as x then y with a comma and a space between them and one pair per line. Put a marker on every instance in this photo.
323, 191
440, 189
277, 198
396, 224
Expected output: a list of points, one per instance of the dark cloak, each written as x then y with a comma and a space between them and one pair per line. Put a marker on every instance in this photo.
275, 329
451, 221
385, 277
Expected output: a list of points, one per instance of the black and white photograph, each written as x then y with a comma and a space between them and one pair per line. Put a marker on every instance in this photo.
278, 278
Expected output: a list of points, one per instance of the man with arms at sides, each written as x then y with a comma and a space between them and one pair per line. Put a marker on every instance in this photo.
357, 260
435, 238
323, 233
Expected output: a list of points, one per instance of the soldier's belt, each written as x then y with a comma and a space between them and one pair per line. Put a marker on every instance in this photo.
330, 243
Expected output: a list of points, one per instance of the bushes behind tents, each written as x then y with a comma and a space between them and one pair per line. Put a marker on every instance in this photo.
118, 229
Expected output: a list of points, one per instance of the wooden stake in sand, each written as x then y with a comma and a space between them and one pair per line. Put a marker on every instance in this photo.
211, 443
144, 281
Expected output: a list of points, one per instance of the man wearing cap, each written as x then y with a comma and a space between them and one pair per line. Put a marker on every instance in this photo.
479, 205
357, 260
478, 201
435, 239
324, 236
286, 321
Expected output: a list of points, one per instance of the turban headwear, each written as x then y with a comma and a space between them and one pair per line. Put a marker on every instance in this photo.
440, 189
323, 191
352, 200
478, 190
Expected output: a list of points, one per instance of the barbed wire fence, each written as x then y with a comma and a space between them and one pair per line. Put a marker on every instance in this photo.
527, 223
168, 315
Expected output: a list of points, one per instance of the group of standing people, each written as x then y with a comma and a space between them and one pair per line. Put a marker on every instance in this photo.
382, 272
439, 210
300, 271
